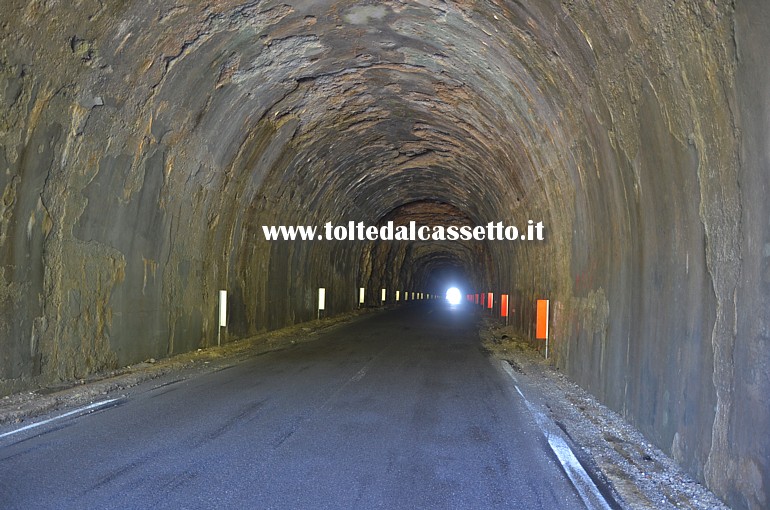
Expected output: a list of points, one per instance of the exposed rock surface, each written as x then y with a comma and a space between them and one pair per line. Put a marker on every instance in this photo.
144, 144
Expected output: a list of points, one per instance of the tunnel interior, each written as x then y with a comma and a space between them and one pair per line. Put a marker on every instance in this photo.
144, 145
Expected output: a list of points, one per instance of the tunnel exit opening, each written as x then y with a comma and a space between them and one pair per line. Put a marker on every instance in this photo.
432, 266
454, 296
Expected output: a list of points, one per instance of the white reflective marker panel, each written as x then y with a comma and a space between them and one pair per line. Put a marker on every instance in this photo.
361, 296
321, 298
398, 295
222, 308
384, 293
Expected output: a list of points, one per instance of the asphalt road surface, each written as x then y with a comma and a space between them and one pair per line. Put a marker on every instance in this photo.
401, 409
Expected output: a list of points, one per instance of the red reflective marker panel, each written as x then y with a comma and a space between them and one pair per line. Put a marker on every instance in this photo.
490, 300
504, 305
541, 332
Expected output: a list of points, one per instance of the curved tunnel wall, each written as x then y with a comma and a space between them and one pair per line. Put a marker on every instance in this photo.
143, 146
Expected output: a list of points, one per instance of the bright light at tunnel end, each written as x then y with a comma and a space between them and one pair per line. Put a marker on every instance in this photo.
453, 296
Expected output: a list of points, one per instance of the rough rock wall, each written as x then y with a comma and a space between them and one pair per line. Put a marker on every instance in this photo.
654, 310
748, 414
143, 145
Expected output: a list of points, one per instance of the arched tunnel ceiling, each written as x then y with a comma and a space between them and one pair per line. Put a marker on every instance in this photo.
346, 110
378, 100
144, 144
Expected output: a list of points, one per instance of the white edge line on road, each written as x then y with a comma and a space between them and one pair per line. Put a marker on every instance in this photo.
580, 479
509, 371
89, 407
586, 488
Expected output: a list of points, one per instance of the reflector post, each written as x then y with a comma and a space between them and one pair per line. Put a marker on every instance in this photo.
222, 315
222, 308
541, 332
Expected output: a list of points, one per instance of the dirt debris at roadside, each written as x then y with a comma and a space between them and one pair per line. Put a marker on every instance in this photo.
641, 475
19, 407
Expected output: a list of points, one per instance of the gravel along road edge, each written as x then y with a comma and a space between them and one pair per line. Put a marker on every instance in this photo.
623, 464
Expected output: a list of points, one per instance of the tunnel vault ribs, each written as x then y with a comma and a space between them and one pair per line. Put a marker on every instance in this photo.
143, 145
